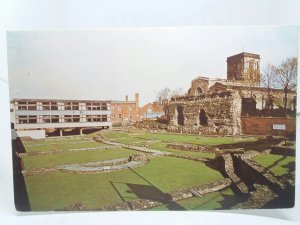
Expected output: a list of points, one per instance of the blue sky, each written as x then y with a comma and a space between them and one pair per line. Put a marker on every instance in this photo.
110, 63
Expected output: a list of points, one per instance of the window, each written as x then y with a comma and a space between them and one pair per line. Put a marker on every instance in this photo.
22, 119
68, 118
96, 118
46, 119
104, 106
120, 116
26, 106
93, 106
55, 119
104, 118
54, 106
76, 118
71, 106
26, 119
46, 106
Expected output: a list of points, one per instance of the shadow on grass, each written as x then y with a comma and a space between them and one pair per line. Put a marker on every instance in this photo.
148, 192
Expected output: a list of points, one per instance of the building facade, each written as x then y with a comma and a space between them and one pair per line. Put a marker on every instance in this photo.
50, 115
125, 112
152, 110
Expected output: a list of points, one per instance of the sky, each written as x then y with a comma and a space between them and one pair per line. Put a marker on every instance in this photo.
108, 64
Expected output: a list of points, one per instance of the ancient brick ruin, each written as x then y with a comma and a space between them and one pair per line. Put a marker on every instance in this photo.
219, 106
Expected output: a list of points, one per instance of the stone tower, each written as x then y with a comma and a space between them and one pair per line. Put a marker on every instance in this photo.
244, 68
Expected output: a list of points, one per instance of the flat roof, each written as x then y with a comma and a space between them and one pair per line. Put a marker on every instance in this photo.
57, 100
244, 54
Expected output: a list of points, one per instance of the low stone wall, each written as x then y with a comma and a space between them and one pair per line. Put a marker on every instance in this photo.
192, 147
140, 204
38, 171
258, 198
256, 173
63, 151
285, 151
229, 169
197, 159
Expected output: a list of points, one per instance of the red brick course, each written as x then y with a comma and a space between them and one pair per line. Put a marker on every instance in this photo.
264, 125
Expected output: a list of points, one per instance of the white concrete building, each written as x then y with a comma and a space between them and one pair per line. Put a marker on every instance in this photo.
37, 117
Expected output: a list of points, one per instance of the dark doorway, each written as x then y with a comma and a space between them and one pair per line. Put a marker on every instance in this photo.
203, 118
199, 90
180, 116
248, 106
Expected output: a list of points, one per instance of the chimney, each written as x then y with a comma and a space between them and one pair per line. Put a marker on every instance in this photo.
137, 99
126, 98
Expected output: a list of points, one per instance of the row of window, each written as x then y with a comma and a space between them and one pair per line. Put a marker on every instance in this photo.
61, 119
67, 106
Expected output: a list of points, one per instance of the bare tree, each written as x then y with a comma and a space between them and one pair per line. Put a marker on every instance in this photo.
164, 95
177, 92
286, 74
269, 81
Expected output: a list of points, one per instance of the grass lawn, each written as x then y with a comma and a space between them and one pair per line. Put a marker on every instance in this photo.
162, 147
51, 160
278, 164
194, 139
57, 190
54, 140
71, 144
215, 200
191, 139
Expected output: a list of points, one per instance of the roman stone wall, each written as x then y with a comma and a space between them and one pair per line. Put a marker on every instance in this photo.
206, 114
199, 85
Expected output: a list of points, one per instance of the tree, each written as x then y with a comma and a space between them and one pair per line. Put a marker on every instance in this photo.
286, 74
269, 81
164, 95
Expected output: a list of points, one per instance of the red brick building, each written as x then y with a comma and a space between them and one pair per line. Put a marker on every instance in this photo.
151, 111
125, 112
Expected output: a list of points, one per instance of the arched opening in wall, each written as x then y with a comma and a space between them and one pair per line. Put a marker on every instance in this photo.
180, 116
199, 90
203, 118
248, 106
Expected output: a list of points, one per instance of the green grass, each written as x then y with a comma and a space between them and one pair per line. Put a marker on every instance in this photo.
214, 200
161, 146
194, 139
57, 190
114, 135
62, 146
278, 164
54, 140
51, 160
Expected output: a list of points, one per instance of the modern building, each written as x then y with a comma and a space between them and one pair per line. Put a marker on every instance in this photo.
125, 112
38, 117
